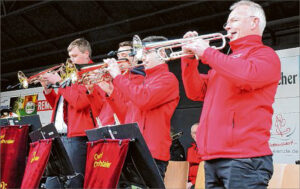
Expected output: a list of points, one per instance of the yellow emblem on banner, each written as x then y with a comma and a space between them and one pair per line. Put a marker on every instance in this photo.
34, 158
3, 185
8, 141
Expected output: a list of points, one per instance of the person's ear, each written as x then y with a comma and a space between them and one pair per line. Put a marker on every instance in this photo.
255, 23
162, 53
87, 53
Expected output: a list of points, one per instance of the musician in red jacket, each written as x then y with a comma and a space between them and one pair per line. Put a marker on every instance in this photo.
238, 93
102, 112
130, 70
72, 114
193, 158
151, 103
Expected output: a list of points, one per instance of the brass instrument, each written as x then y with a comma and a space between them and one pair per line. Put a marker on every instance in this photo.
65, 71
97, 72
170, 44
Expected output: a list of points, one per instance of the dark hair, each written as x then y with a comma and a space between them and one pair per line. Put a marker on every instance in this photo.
125, 43
82, 44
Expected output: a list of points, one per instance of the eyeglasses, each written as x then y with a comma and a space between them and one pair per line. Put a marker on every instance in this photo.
233, 20
124, 53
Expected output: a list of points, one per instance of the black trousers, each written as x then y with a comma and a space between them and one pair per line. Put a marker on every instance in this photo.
162, 167
244, 173
76, 150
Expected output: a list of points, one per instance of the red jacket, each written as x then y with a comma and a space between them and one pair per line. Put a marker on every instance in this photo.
194, 159
238, 94
79, 116
100, 107
151, 104
120, 103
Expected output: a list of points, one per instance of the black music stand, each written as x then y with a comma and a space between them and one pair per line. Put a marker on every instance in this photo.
59, 163
32, 120
138, 156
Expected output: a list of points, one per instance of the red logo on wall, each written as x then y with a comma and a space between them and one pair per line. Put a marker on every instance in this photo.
43, 105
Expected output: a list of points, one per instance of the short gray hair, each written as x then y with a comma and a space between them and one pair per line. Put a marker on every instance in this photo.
256, 10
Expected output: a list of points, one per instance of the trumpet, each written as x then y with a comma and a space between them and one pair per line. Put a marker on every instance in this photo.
170, 44
90, 74
65, 71
97, 72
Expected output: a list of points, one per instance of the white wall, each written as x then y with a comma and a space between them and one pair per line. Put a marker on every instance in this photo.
284, 140
44, 109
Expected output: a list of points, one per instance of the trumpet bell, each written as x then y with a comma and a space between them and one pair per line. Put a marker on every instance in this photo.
66, 71
23, 79
137, 46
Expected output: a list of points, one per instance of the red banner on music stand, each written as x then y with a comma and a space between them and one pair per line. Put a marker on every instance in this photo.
14, 141
105, 159
37, 160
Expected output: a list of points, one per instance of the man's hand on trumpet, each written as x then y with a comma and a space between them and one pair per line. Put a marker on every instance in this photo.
190, 34
113, 67
196, 47
52, 78
49, 78
88, 82
106, 86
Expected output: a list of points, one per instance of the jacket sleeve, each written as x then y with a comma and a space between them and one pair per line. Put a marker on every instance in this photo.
195, 84
96, 100
76, 96
51, 97
159, 90
262, 67
118, 104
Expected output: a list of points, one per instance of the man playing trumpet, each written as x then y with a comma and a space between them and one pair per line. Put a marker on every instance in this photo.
238, 93
129, 69
151, 103
72, 114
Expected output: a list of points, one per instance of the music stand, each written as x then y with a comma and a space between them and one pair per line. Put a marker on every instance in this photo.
33, 120
138, 154
59, 163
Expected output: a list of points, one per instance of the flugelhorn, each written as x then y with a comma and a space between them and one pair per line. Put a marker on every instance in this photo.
64, 70
139, 47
